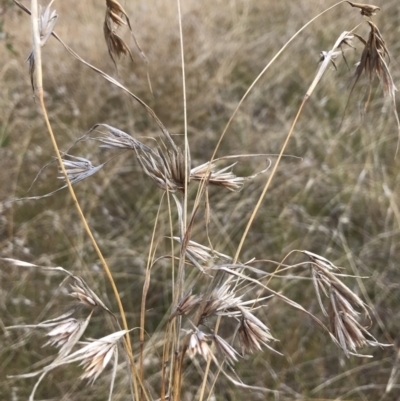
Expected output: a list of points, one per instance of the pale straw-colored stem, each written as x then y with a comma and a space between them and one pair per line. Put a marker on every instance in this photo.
264, 71
306, 97
181, 267
261, 198
38, 80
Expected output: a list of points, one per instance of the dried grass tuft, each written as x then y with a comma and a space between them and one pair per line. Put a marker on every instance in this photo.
225, 299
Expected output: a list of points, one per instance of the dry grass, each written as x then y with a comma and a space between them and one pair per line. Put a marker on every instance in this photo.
339, 199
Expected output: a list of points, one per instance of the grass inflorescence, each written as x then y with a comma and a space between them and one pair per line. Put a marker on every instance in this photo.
228, 219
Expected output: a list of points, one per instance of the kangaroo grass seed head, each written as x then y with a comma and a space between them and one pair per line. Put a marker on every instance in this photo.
349, 333
63, 331
201, 256
115, 11
198, 344
116, 46
222, 301
78, 169
320, 261
113, 20
343, 315
96, 355
225, 349
114, 138
66, 334
85, 295
96, 360
223, 177
252, 333
47, 22
185, 305
165, 167
374, 60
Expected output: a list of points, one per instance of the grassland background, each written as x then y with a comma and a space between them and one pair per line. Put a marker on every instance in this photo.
340, 200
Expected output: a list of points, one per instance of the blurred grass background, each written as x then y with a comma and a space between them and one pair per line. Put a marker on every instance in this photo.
340, 200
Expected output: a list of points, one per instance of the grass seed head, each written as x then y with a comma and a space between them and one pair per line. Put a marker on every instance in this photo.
78, 169
85, 295
186, 305
114, 138
60, 334
225, 349
344, 325
165, 167
116, 11
113, 19
66, 334
222, 301
223, 178
116, 46
343, 305
201, 255
97, 354
252, 333
374, 60
47, 22
198, 344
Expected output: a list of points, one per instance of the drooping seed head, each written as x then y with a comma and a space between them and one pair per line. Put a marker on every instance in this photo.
78, 168
114, 19
225, 349
198, 344
252, 333
66, 334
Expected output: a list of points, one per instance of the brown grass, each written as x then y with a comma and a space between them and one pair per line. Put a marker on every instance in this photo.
339, 200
